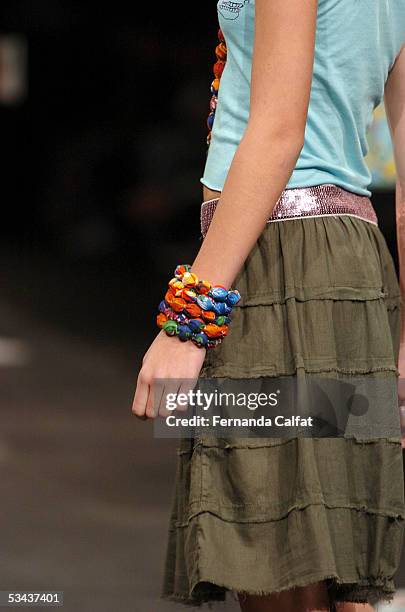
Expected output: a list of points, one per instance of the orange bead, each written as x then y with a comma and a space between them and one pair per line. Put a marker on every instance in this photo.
161, 319
216, 331
189, 295
203, 287
178, 304
193, 310
175, 285
189, 279
215, 84
180, 270
219, 68
208, 315
221, 51
169, 297
213, 331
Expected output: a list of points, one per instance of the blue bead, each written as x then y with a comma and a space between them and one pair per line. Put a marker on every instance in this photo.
195, 325
181, 318
220, 308
162, 306
201, 339
184, 332
218, 293
233, 298
205, 302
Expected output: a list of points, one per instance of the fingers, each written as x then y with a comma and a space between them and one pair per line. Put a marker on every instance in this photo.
186, 386
150, 396
162, 397
141, 397
168, 400
157, 389
177, 392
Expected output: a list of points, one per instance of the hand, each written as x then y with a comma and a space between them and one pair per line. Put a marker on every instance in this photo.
167, 358
401, 386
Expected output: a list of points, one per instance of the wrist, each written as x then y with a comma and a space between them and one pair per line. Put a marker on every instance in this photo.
216, 277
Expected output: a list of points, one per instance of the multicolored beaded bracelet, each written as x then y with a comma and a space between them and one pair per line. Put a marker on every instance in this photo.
195, 310
221, 55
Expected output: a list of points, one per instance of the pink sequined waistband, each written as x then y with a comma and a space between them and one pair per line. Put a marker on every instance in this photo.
316, 201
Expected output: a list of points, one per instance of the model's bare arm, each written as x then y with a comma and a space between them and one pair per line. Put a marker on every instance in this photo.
264, 160
266, 156
395, 107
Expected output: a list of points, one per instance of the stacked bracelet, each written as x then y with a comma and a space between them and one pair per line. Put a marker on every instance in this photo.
195, 310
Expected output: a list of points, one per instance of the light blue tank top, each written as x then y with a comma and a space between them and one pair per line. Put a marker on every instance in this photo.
357, 42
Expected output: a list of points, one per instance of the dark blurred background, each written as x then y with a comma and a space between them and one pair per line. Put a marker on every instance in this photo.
103, 125
102, 156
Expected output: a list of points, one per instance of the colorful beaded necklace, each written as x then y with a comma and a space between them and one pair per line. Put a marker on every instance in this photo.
220, 52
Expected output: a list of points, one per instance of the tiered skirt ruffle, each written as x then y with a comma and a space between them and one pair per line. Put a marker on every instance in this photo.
320, 296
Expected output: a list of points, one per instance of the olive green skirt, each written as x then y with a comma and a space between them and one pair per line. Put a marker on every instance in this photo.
259, 516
